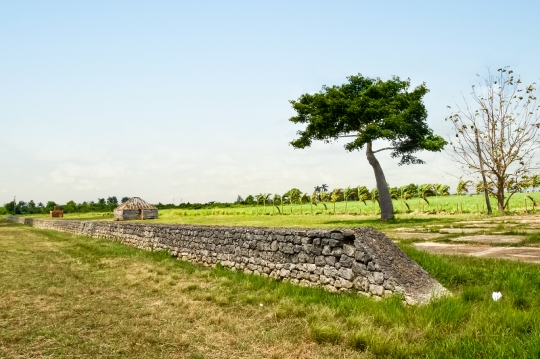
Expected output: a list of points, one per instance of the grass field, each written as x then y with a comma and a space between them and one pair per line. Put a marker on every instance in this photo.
73, 296
446, 209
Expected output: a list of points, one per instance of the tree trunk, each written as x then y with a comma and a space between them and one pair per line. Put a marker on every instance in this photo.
500, 199
481, 162
385, 201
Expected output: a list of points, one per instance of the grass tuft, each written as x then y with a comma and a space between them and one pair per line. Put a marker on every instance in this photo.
325, 333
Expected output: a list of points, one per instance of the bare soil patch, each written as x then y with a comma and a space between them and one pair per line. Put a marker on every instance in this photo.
415, 235
526, 254
461, 230
490, 238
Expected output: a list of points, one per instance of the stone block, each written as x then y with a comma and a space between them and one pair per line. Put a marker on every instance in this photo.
320, 260
359, 268
345, 273
330, 260
376, 289
326, 250
376, 277
345, 283
346, 261
349, 250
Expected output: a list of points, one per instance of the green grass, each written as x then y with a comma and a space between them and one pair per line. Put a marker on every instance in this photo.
75, 296
442, 210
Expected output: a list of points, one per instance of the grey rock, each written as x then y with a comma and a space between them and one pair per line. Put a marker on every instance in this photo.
376, 289
345, 273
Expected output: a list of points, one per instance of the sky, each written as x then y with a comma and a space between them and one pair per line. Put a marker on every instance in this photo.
189, 101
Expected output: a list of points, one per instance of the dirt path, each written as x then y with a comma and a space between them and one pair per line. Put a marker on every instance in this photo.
526, 254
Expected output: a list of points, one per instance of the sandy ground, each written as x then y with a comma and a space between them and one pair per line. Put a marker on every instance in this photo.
526, 254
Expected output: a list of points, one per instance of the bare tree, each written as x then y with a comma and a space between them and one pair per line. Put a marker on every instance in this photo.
496, 133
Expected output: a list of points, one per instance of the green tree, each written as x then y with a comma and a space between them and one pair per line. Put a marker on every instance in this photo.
70, 207
367, 110
50, 206
32, 207
10, 207
249, 200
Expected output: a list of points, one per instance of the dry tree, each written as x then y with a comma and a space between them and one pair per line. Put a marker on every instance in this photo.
496, 133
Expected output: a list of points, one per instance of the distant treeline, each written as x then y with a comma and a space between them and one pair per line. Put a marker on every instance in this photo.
102, 205
293, 196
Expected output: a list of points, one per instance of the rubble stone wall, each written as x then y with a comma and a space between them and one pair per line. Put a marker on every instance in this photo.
361, 260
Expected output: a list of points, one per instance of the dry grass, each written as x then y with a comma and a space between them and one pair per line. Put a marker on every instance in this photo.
65, 296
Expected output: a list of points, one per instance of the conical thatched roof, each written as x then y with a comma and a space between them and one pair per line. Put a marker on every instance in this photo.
135, 203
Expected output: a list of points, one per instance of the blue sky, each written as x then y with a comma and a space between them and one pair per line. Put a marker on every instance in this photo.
189, 100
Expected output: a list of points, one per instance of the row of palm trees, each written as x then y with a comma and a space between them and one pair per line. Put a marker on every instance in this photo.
322, 196
511, 187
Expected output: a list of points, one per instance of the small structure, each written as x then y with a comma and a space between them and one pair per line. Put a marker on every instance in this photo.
56, 212
135, 208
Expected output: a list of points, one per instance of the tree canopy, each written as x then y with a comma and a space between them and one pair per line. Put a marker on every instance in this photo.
366, 110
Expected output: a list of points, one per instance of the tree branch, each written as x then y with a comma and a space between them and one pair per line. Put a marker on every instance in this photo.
384, 149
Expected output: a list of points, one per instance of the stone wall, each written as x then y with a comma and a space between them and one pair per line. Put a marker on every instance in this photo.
361, 260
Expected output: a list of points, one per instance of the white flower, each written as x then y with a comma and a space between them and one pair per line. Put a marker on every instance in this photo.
261, 304
496, 296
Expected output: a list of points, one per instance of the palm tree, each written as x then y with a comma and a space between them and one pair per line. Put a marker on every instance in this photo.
318, 190
313, 200
336, 195
440, 190
324, 198
294, 197
374, 197
259, 198
347, 192
284, 197
363, 194
266, 198
424, 191
462, 188
404, 196
277, 197
324, 187
303, 199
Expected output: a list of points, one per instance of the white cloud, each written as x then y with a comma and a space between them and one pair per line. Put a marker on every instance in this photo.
88, 177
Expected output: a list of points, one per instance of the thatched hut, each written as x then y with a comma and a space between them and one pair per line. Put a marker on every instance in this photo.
56, 212
135, 208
